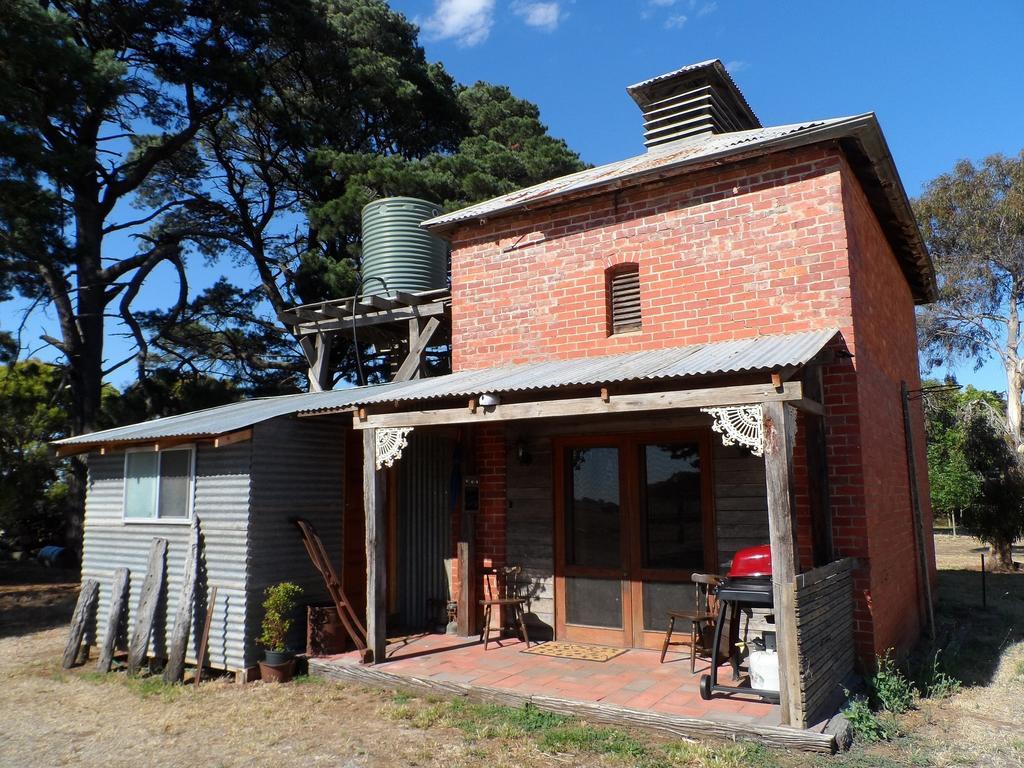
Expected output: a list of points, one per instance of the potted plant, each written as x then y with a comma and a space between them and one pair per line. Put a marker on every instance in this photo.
278, 664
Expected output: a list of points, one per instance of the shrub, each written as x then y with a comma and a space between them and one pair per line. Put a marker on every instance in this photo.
939, 684
890, 689
280, 601
862, 720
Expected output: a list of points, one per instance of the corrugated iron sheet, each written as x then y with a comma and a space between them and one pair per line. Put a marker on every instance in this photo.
665, 156
298, 470
222, 504
758, 353
209, 421
424, 529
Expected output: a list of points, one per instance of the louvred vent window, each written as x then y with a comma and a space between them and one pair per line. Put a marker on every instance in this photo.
624, 298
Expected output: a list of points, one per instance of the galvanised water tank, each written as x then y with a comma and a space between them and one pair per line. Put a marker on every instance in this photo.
398, 254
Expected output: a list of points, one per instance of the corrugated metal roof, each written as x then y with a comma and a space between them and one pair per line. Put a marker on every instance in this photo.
210, 421
758, 353
754, 354
663, 157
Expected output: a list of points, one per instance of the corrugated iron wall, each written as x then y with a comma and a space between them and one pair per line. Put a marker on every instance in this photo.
222, 504
298, 471
424, 527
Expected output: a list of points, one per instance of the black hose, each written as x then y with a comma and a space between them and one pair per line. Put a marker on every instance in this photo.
355, 340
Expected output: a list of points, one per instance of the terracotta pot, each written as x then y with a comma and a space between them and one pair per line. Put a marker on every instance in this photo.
277, 673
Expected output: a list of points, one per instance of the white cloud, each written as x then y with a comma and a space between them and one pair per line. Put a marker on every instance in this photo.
661, 3
706, 8
735, 65
468, 22
544, 16
675, 22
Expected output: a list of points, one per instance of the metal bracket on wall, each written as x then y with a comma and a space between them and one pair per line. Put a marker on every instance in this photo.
390, 444
739, 425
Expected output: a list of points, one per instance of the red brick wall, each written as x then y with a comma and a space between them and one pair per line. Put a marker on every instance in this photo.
722, 255
886, 354
490, 522
489, 461
766, 246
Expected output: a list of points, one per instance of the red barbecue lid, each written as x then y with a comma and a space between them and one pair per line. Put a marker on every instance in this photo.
752, 562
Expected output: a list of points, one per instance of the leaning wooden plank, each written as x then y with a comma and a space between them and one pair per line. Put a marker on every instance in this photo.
175, 666
205, 638
607, 714
152, 585
118, 599
83, 610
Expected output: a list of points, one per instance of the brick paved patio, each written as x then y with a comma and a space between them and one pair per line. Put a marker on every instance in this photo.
634, 680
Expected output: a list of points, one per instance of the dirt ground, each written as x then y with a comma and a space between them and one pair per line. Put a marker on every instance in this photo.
78, 718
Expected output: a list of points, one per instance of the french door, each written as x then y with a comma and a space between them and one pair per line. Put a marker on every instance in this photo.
633, 521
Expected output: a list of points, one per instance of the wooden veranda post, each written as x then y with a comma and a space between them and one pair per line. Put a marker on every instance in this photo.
376, 550
779, 432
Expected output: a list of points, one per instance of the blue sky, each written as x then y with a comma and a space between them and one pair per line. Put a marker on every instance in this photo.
945, 78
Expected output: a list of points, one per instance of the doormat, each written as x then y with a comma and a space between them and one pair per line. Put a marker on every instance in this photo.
576, 651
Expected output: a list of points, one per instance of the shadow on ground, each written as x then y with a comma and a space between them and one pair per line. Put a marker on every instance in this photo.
970, 637
34, 598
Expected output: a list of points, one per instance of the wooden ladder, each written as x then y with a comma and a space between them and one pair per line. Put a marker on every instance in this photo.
349, 619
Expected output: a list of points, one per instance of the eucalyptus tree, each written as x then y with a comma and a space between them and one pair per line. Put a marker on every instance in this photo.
972, 219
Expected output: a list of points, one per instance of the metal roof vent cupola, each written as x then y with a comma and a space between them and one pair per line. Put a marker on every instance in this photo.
696, 99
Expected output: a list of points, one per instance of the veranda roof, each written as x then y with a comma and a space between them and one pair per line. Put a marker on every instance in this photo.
759, 353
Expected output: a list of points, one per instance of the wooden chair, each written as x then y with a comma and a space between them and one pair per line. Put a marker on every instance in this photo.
702, 620
501, 587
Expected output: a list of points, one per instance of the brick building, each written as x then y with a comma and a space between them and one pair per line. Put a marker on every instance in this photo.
655, 363
734, 235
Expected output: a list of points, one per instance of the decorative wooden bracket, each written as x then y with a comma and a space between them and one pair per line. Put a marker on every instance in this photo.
391, 441
740, 425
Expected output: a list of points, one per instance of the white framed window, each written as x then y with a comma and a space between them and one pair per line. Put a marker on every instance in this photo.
159, 485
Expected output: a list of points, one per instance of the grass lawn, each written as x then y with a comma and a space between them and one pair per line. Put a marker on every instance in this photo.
54, 718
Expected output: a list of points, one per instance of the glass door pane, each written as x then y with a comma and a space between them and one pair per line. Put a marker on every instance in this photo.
593, 536
593, 517
672, 514
671, 531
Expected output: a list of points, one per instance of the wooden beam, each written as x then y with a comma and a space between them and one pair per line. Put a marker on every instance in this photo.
807, 405
339, 309
416, 347
817, 472
376, 550
230, 438
152, 586
320, 372
779, 432
410, 299
379, 302
674, 726
171, 442
175, 667
84, 608
436, 309
583, 406
63, 451
204, 639
463, 614
307, 314
118, 601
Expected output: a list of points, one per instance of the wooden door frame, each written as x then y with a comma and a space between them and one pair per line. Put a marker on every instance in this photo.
632, 576
583, 633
